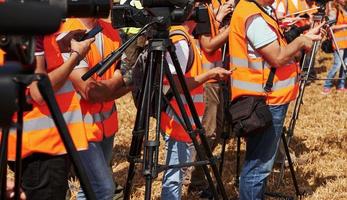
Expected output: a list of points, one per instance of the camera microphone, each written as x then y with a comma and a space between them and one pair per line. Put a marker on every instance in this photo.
103, 65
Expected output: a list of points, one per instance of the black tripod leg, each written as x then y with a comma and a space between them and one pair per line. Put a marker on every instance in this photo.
3, 164
222, 156
138, 132
291, 167
238, 149
18, 172
199, 128
47, 93
299, 100
149, 146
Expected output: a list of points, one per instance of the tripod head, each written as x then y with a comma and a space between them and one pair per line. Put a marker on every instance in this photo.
159, 16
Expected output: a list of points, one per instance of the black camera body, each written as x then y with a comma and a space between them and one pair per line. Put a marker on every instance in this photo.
129, 16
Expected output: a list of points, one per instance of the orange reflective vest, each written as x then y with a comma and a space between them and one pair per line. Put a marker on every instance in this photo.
211, 60
100, 118
252, 73
170, 123
341, 35
40, 134
290, 7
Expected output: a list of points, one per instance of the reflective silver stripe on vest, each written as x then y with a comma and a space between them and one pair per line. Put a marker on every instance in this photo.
247, 86
47, 122
284, 84
210, 65
99, 117
256, 65
260, 88
198, 98
67, 87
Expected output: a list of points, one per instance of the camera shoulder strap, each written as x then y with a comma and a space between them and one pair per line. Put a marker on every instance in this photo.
270, 80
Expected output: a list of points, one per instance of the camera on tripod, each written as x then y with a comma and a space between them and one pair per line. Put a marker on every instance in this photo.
174, 12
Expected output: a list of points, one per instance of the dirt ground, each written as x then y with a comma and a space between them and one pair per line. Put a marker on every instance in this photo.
319, 146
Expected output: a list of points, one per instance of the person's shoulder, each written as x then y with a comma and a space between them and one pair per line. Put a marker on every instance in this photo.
108, 30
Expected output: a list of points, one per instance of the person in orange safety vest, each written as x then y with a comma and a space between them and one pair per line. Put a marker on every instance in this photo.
337, 10
256, 44
212, 36
97, 96
178, 142
45, 163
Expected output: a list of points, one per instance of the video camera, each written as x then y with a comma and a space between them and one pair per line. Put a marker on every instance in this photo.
169, 12
20, 20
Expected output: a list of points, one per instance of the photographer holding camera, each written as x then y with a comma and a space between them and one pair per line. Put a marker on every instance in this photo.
258, 49
45, 162
97, 104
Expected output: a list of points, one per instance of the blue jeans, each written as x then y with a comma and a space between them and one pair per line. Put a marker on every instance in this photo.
337, 67
96, 161
176, 152
260, 156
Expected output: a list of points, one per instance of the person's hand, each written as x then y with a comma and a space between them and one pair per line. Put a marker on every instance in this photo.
64, 39
316, 33
81, 48
219, 73
224, 10
10, 191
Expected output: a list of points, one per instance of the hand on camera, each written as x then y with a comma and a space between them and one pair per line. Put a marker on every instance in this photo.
314, 34
219, 73
81, 48
224, 10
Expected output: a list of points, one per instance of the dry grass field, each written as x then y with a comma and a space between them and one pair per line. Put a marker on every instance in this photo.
319, 146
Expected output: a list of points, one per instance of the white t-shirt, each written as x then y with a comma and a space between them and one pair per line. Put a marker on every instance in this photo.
182, 52
259, 34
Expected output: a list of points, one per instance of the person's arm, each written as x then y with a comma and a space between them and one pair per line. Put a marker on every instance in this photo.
278, 56
59, 75
338, 27
217, 73
100, 90
182, 51
211, 44
262, 38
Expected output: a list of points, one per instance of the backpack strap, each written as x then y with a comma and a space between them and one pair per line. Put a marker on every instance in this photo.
191, 51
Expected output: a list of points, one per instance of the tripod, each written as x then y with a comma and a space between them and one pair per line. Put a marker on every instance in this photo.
152, 92
289, 131
12, 86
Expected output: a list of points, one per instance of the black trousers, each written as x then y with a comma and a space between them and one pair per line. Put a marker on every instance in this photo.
45, 177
